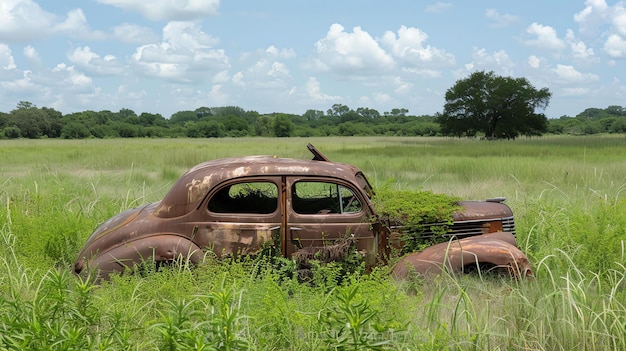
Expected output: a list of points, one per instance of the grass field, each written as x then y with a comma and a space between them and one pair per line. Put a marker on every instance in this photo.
568, 195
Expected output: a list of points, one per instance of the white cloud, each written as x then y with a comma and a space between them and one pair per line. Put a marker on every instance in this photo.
439, 7
132, 33
22, 87
615, 46
217, 96
534, 61
594, 15
409, 46
32, 55
314, 91
72, 79
351, 53
499, 20
382, 98
544, 37
610, 21
284, 53
578, 47
568, 74
422, 72
402, 87
92, 62
264, 71
76, 25
22, 20
619, 20
6, 57
168, 10
185, 54
498, 61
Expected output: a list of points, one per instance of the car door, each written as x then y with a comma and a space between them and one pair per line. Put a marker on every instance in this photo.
244, 216
321, 211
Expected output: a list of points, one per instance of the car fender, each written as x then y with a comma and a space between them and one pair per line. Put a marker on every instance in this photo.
160, 248
495, 250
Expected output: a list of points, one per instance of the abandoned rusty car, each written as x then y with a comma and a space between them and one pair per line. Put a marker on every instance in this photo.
237, 206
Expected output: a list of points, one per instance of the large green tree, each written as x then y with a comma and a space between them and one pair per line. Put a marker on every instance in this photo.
498, 107
283, 126
32, 122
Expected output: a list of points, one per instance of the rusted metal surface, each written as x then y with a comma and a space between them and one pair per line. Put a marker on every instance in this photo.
202, 214
491, 252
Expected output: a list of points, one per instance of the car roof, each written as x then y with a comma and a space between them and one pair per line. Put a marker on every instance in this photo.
193, 186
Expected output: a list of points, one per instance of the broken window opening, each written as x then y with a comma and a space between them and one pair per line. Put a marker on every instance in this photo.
249, 197
324, 198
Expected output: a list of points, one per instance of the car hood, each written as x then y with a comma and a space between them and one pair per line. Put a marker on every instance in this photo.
482, 210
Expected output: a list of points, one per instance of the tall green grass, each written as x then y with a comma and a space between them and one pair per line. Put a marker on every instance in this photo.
567, 193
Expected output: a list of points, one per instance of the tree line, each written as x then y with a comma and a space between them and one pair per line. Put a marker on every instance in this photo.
29, 121
481, 105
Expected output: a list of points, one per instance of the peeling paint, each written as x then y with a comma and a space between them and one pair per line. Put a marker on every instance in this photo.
197, 188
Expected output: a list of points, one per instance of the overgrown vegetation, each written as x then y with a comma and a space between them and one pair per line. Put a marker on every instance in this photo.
567, 193
416, 211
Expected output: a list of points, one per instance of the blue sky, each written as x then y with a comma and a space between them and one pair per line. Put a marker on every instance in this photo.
164, 56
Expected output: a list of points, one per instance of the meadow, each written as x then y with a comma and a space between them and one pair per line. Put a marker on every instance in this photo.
568, 194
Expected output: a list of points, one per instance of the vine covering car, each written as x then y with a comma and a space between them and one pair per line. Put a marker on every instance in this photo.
238, 206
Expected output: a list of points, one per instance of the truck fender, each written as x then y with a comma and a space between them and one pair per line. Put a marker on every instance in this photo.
160, 248
495, 250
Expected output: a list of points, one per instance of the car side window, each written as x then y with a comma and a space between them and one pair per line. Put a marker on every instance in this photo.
323, 197
248, 197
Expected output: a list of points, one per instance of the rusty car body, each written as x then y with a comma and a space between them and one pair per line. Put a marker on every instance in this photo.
238, 206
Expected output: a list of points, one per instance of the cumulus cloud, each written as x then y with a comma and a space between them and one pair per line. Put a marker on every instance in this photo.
132, 33
72, 79
568, 74
498, 61
499, 20
578, 47
351, 53
23, 20
598, 17
534, 61
314, 91
615, 46
409, 46
544, 37
217, 96
22, 87
619, 20
6, 57
185, 54
593, 16
168, 10
85, 58
32, 55
265, 69
76, 25
283, 53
